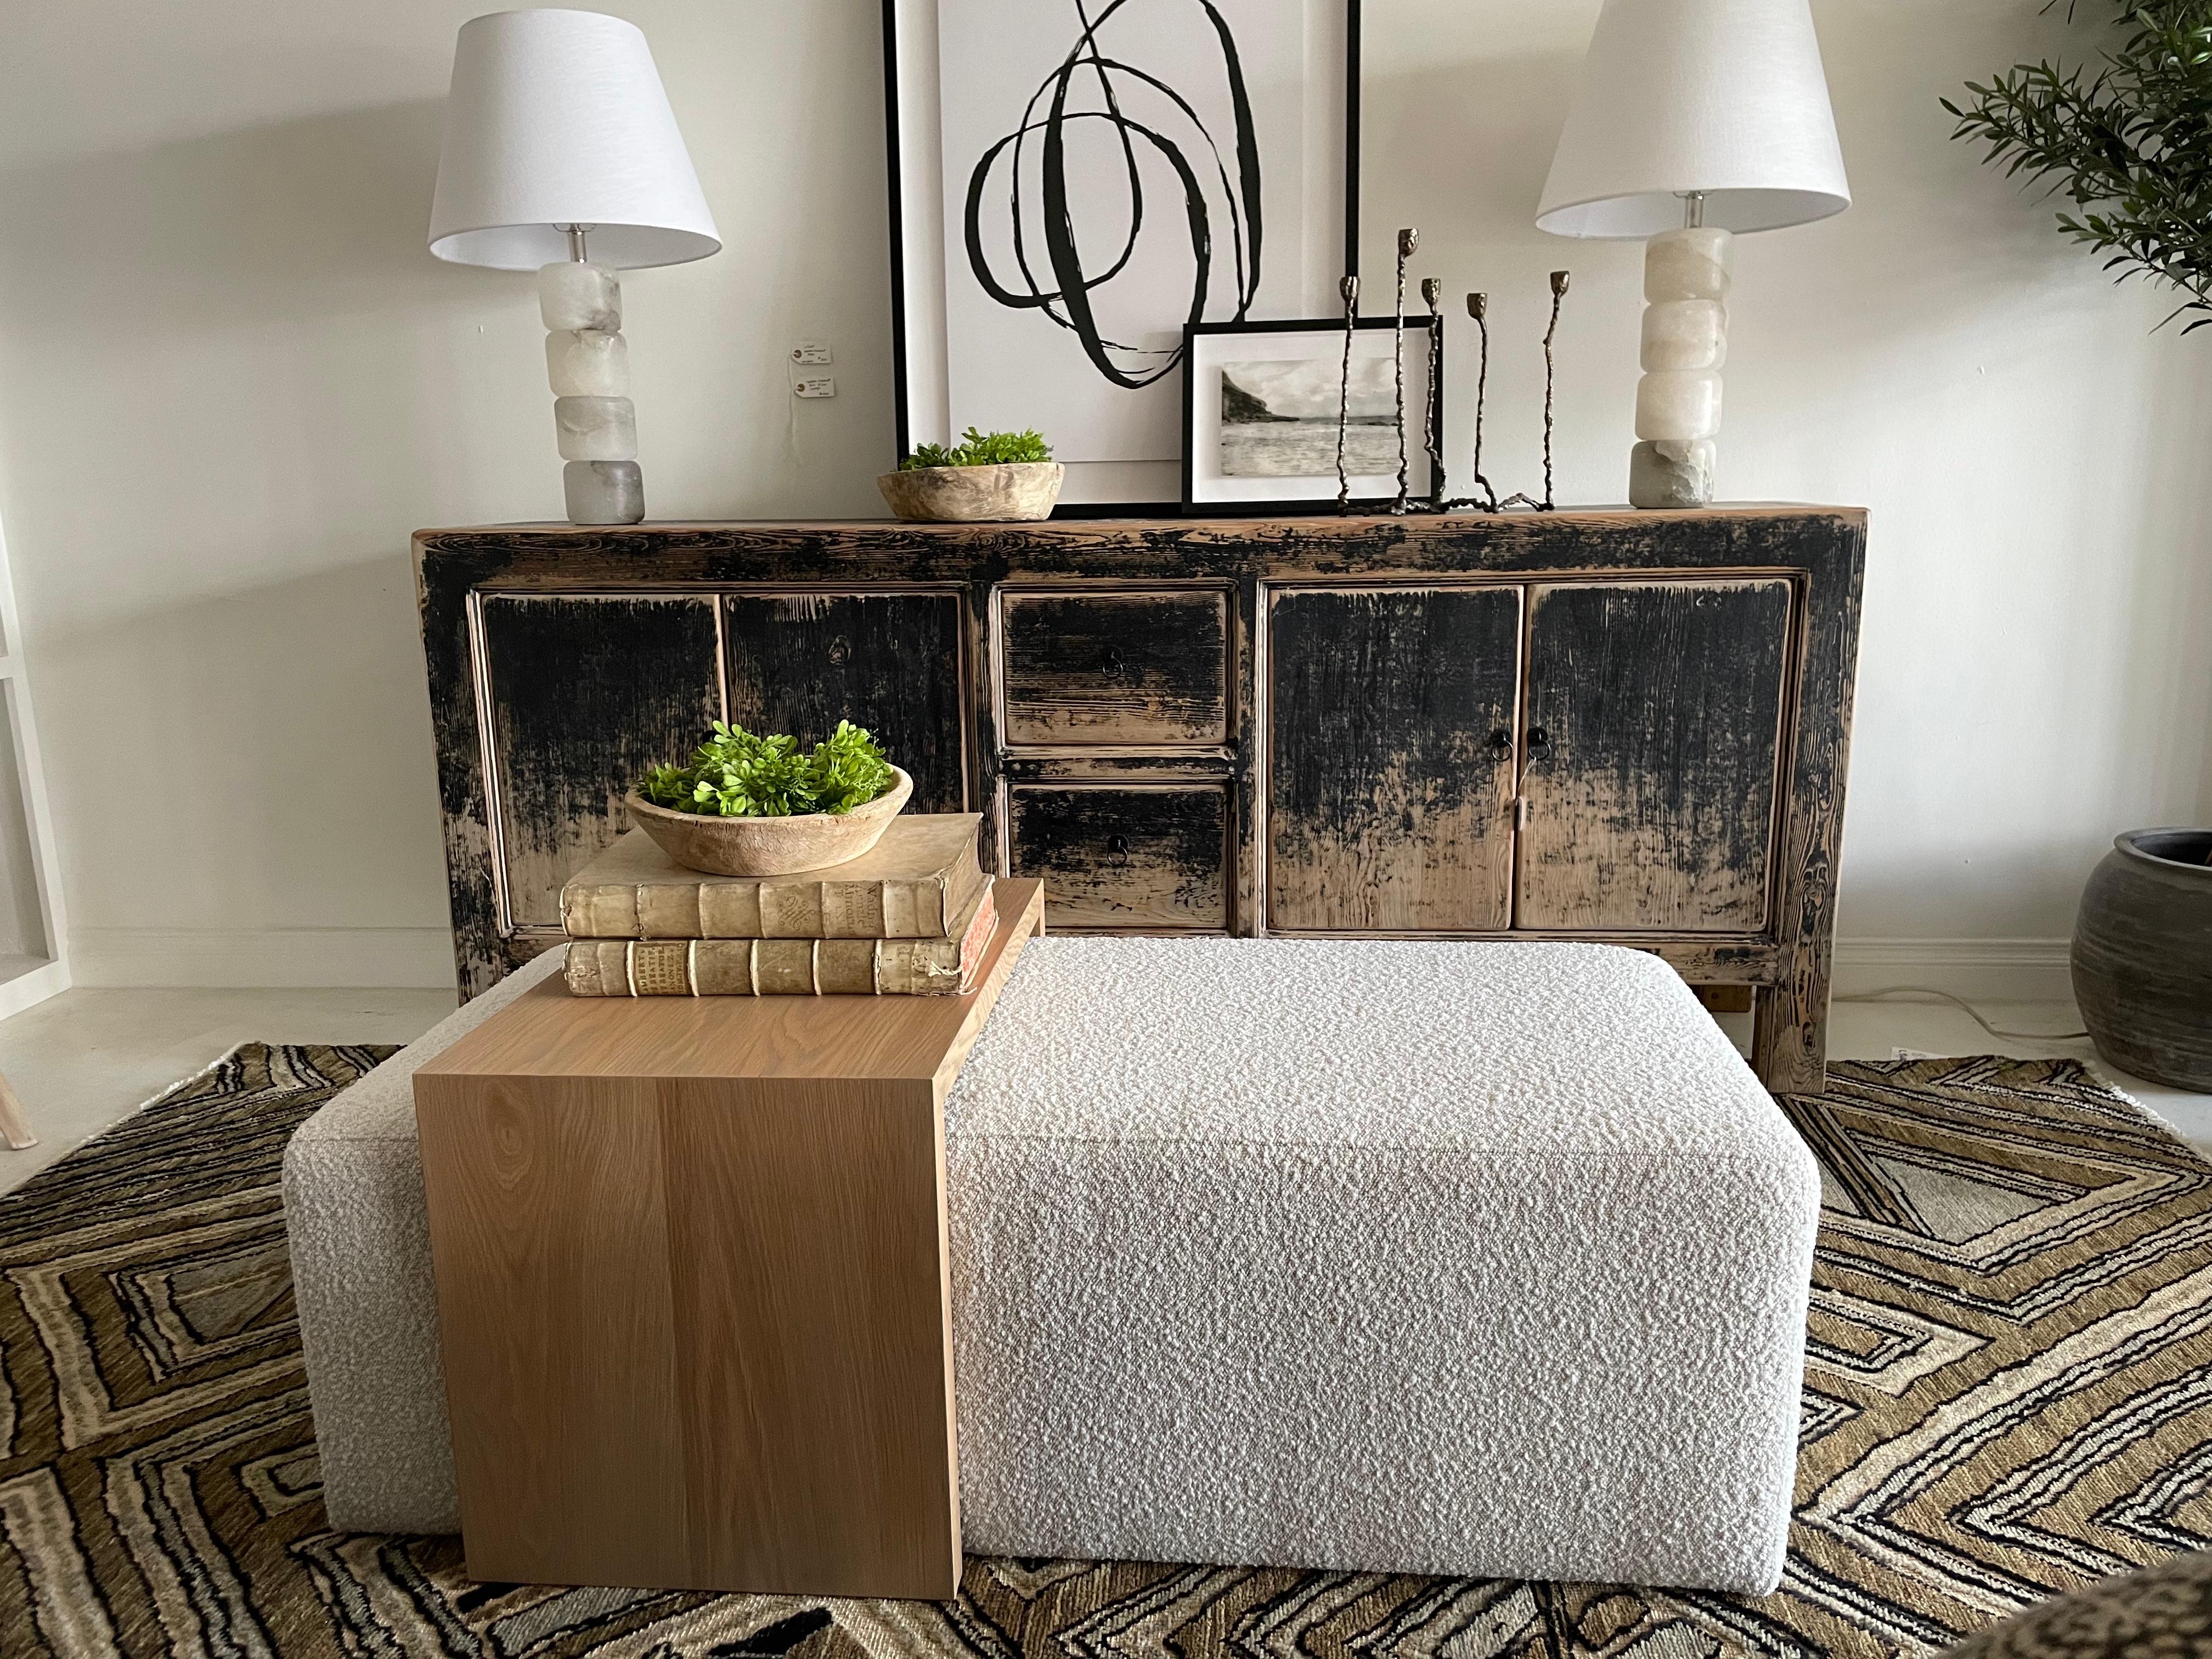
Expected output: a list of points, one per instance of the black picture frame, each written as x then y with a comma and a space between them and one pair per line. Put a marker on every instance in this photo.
1416, 328
901, 323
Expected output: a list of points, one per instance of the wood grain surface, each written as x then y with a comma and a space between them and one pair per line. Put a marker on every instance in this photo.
548, 1227
637, 672
1120, 857
1652, 735
890, 662
693, 1287
1143, 668
1391, 716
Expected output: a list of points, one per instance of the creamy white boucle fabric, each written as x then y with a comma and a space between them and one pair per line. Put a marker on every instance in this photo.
1487, 1259
1466, 1258
360, 1236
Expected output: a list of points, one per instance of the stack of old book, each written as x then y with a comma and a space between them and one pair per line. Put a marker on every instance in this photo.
910, 917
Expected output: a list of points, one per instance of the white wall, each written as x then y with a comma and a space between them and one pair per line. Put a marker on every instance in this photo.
232, 382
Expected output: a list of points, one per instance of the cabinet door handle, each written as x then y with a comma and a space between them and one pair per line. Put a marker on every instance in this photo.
1111, 662
1539, 744
1117, 847
1501, 744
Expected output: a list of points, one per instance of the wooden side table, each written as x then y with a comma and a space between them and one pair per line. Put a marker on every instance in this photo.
694, 1288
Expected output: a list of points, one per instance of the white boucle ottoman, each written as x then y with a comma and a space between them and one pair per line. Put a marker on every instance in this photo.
1485, 1258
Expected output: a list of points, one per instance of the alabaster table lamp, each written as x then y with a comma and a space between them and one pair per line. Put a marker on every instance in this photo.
563, 157
1696, 121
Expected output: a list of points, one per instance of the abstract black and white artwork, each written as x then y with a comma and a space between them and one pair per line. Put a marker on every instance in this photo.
1076, 181
1261, 406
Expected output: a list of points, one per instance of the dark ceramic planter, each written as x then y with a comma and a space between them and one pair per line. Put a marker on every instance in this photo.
2143, 957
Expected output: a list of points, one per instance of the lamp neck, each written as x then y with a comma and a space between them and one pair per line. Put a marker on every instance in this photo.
1694, 208
576, 240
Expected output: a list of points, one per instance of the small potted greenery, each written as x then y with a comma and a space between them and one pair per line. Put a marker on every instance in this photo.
747, 805
985, 477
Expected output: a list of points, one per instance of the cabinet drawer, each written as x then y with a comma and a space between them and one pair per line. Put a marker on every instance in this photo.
1139, 668
1131, 856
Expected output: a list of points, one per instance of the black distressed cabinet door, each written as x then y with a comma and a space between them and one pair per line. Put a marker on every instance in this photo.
585, 692
1390, 780
799, 663
1653, 731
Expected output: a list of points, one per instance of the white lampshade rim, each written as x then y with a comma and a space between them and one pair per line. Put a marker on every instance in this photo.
1634, 215
558, 117
531, 244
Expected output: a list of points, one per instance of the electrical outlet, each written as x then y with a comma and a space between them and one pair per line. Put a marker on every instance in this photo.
823, 386
811, 353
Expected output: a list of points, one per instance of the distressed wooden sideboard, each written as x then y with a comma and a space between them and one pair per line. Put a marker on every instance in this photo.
1627, 726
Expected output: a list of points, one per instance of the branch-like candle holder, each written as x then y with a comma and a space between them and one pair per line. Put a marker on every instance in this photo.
1349, 287
1432, 438
1478, 307
1408, 240
1559, 280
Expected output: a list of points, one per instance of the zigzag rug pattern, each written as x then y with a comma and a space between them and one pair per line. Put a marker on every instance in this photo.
2007, 1395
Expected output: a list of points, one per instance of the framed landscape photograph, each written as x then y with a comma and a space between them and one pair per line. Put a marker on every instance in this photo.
1074, 182
1260, 407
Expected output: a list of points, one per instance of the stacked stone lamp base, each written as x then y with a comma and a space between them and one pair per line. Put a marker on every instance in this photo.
1678, 402
587, 362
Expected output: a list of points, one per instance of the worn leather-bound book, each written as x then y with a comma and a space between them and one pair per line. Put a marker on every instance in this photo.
786, 967
916, 883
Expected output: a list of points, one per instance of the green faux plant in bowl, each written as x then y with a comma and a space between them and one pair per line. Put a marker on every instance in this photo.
751, 806
987, 477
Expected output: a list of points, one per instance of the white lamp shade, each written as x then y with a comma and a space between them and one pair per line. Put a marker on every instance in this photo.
559, 117
1723, 96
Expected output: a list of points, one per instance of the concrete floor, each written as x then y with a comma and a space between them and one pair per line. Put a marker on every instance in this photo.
83, 1058
86, 1058
1877, 1030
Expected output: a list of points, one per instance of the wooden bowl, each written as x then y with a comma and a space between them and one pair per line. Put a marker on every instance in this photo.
1014, 491
769, 847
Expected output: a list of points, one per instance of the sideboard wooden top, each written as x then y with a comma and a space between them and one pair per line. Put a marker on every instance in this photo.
1622, 539
1323, 525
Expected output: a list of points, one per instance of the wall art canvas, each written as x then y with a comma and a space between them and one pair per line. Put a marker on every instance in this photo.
1076, 181
1261, 406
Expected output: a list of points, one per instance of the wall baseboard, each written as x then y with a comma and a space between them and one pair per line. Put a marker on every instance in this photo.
246, 958
1977, 970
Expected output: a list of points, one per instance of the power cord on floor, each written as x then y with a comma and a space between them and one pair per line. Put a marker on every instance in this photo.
1972, 1013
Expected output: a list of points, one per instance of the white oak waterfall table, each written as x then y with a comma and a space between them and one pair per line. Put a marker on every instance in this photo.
693, 1284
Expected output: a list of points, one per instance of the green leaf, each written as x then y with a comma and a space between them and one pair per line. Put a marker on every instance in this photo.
981, 449
2133, 141
738, 774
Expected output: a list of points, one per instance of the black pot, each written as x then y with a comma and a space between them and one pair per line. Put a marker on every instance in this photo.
2143, 955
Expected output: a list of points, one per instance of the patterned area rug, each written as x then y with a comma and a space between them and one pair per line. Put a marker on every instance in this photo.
2007, 1396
